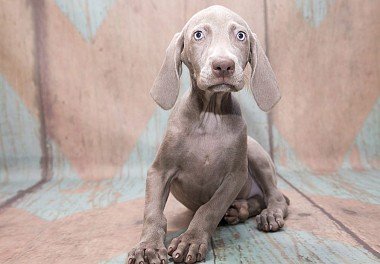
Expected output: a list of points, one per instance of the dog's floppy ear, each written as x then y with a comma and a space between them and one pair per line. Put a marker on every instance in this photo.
263, 82
166, 86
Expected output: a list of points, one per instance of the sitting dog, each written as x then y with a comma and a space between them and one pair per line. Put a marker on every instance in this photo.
206, 159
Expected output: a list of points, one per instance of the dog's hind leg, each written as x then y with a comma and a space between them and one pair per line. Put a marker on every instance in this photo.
264, 199
262, 170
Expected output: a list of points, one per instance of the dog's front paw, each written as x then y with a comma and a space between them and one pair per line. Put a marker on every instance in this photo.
147, 253
270, 220
189, 247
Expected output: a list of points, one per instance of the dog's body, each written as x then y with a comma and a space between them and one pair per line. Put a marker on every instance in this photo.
206, 159
194, 139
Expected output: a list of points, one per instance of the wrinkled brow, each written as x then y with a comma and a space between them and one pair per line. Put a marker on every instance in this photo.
236, 25
201, 26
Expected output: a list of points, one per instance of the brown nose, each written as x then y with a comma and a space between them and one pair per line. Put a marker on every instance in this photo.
223, 67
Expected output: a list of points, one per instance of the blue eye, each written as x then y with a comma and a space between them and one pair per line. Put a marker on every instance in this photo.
241, 36
198, 35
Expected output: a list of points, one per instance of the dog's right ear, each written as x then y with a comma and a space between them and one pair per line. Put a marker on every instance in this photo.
166, 86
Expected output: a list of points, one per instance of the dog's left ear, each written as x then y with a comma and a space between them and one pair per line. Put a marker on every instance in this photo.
263, 82
166, 86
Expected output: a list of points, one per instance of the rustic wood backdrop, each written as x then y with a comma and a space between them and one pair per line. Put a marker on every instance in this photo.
78, 128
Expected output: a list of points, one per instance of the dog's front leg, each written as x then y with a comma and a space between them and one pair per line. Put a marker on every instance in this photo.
151, 248
191, 246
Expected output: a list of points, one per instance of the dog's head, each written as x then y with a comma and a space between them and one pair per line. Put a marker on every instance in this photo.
216, 44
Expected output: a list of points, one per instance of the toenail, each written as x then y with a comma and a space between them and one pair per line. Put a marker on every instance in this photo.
270, 227
177, 255
188, 258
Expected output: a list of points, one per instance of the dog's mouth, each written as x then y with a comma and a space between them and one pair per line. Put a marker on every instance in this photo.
222, 87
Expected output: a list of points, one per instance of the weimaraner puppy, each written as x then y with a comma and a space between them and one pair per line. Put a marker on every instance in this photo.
206, 159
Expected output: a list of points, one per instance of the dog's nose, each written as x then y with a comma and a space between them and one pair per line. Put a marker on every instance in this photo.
223, 67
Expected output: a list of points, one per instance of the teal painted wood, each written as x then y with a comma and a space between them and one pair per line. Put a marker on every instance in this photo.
20, 149
347, 184
292, 161
243, 243
368, 142
314, 11
66, 193
86, 15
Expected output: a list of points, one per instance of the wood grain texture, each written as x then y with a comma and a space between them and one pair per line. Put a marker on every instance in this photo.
328, 74
106, 234
104, 102
108, 102
359, 217
17, 51
20, 127
96, 63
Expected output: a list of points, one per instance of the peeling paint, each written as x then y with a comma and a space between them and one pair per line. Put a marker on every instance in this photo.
20, 150
314, 11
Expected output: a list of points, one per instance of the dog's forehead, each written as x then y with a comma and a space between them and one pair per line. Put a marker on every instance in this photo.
215, 15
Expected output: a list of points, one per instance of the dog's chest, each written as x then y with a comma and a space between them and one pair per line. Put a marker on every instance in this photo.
205, 158
207, 150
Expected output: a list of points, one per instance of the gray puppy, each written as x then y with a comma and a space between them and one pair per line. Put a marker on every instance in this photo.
206, 159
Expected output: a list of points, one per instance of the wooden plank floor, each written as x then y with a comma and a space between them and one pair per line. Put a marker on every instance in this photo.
78, 231
73, 181
349, 198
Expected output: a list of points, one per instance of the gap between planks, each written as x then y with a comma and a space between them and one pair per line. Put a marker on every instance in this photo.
335, 220
20, 194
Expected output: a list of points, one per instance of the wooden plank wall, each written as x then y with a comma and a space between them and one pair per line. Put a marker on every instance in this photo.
22, 135
326, 127
91, 64
325, 55
77, 121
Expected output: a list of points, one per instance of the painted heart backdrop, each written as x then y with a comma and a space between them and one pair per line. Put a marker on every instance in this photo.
79, 129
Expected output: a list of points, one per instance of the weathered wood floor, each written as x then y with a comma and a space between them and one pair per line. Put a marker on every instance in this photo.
332, 219
78, 128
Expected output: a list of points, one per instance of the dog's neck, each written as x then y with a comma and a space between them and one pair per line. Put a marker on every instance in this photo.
207, 102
